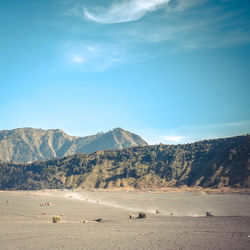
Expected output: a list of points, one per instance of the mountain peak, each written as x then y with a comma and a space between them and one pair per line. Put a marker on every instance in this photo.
30, 144
118, 129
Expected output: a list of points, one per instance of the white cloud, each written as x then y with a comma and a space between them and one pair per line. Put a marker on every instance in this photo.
89, 56
182, 25
206, 131
125, 11
196, 24
190, 134
77, 58
172, 138
166, 139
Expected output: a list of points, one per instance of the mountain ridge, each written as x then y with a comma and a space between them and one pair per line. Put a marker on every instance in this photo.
30, 144
213, 163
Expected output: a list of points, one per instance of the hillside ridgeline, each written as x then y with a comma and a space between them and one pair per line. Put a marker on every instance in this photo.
29, 144
210, 163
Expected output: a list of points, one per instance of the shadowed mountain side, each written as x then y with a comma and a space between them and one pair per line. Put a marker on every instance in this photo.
210, 163
29, 144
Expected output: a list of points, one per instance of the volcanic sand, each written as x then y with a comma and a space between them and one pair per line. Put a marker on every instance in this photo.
25, 223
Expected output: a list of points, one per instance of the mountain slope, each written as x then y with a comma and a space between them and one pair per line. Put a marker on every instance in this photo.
29, 144
210, 163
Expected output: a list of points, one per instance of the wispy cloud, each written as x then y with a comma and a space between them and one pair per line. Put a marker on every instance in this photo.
77, 58
91, 56
180, 25
189, 134
171, 139
125, 11
182, 5
198, 24
94, 56
189, 24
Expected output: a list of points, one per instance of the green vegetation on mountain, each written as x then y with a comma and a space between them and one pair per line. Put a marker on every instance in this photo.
210, 163
29, 144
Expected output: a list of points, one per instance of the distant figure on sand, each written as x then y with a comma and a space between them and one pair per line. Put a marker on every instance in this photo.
209, 214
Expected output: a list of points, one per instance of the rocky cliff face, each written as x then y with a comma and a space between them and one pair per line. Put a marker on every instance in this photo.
29, 144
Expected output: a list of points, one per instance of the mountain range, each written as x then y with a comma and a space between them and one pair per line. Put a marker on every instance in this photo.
30, 144
210, 163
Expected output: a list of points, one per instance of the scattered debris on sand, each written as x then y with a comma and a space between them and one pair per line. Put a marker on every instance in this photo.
209, 214
90, 221
98, 220
131, 216
157, 211
142, 215
56, 219
45, 204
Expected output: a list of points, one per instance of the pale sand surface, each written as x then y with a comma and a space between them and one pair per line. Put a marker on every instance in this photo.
23, 226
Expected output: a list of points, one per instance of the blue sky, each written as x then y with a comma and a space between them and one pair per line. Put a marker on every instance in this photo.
172, 71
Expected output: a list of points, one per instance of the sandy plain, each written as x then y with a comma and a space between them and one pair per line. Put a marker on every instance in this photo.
25, 224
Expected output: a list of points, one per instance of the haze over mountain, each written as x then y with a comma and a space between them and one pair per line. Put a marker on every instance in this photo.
29, 144
210, 163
